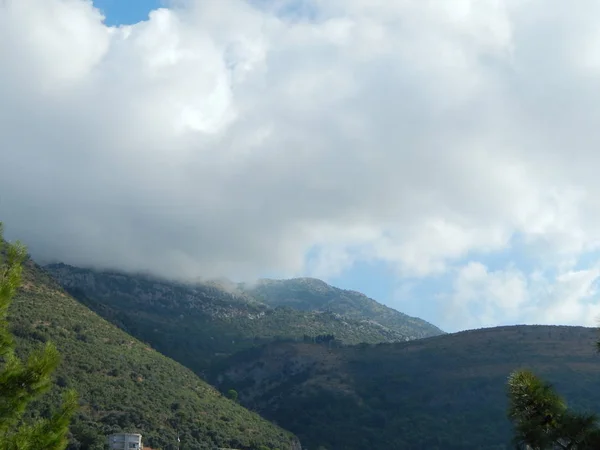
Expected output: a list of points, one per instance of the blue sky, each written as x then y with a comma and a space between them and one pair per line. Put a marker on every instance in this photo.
127, 12
376, 148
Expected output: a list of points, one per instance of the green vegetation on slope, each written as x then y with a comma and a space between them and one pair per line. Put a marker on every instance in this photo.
196, 324
445, 392
310, 294
126, 386
22, 381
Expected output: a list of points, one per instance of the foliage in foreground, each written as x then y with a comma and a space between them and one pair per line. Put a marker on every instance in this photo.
21, 382
542, 420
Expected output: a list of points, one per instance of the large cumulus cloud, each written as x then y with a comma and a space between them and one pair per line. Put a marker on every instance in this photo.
235, 137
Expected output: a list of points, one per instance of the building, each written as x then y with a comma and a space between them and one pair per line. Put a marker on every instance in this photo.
125, 441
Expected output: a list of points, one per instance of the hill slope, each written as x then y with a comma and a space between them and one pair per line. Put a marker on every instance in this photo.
194, 324
310, 294
446, 392
124, 384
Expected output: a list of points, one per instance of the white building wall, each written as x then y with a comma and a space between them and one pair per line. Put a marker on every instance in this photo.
125, 441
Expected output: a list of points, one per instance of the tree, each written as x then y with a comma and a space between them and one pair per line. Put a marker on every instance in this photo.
542, 420
535, 410
232, 395
21, 382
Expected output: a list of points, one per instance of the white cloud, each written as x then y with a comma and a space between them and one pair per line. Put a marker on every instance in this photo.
480, 297
230, 138
572, 299
483, 298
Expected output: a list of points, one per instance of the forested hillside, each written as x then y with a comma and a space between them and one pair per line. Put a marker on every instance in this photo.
124, 385
446, 392
198, 323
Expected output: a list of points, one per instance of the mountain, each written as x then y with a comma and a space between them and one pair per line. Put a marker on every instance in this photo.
446, 392
198, 323
124, 385
310, 294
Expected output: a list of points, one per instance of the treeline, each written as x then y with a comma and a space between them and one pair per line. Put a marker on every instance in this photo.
321, 339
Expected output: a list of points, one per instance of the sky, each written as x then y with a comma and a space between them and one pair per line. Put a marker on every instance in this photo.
439, 156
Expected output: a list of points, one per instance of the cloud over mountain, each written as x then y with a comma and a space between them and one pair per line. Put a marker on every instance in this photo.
234, 138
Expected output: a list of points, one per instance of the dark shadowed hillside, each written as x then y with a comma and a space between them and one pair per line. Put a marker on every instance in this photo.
194, 324
446, 392
124, 385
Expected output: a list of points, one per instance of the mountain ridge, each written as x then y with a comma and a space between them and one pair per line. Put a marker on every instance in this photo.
314, 294
445, 391
196, 323
124, 384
